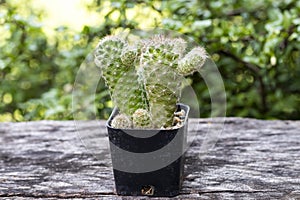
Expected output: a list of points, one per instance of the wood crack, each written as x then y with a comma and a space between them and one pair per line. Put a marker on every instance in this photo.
58, 196
234, 191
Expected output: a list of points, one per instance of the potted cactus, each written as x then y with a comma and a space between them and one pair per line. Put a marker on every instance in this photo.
147, 128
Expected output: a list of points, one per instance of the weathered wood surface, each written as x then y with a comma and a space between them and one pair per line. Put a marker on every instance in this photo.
253, 159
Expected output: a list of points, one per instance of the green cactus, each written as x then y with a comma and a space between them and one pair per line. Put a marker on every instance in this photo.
107, 58
145, 79
120, 76
121, 121
141, 119
159, 60
192, 61
129, 55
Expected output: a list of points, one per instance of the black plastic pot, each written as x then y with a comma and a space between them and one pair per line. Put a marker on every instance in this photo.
148, 162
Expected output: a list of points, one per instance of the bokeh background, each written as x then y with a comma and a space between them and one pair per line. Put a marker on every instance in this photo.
255, 44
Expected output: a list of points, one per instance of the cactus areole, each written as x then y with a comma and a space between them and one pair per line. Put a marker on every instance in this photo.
145, 82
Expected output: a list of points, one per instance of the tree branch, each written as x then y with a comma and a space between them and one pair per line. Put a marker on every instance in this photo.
256, 71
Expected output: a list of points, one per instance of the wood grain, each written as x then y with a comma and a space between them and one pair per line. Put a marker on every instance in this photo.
252, 159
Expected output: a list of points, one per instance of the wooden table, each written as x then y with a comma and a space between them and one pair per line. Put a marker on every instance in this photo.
252, 159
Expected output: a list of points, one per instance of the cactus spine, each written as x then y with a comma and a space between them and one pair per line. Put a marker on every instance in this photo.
145, 80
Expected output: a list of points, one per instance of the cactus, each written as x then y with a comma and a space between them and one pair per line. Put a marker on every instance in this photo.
141, 119
192, 61
121, 121
145, 80
159, 60
120, 77
129, 55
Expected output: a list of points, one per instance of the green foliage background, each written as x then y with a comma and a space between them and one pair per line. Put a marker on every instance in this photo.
255, 44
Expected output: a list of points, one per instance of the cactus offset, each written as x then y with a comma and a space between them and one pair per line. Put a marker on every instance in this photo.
121, 121
129, 55
141, 119
192, 61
